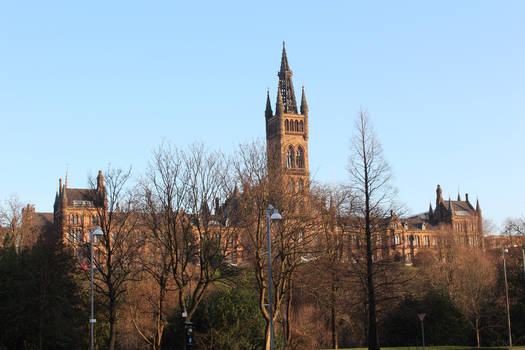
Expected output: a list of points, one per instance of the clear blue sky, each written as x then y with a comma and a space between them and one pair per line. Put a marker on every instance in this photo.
84, 84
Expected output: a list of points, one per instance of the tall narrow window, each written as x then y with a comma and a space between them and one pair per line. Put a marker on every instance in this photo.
300, 157
291, 186
296, 125
287, 125
301, 126
291, 126
300, 185
290, 157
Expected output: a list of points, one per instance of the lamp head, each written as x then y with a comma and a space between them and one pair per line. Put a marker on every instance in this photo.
97, 231
276, 215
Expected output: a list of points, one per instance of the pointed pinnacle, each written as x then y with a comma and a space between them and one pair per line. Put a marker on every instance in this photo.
304, 104
279, 109
268, 112
284, 61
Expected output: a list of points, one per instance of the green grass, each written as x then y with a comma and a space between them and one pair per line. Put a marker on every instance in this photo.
446, 347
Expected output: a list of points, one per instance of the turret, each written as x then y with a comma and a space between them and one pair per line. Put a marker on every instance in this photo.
100, 181
430, 212
478, 208
439, 196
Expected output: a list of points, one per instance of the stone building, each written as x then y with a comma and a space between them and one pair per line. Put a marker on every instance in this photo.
76, 210
457, 222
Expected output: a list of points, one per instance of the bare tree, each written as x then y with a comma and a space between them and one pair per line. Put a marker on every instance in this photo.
514, 227
116, 251
370, 177
178, 190
14, 232
291, 238
328, 279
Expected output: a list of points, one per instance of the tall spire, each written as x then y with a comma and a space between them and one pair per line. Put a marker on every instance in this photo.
284, 61
268, 113
286, 89
478, 208
67, 179
304, 105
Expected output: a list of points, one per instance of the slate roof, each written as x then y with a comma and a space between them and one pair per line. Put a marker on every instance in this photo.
42, 220
80, 194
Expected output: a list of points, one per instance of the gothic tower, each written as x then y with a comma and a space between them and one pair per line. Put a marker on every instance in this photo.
287, 133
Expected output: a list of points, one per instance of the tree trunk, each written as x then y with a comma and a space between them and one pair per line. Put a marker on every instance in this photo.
335, 344
288, 328
478, 334
267, 340
112, 328
372, 323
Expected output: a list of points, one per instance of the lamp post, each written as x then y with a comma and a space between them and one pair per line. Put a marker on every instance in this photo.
271, 214
97, 231
505, 250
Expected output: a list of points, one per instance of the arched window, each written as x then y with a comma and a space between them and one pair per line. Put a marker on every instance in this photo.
300, 185
72, 219
291, 126
76, 219
291, 186
290, 157
287, 125
300, 157
296, 125
301, 126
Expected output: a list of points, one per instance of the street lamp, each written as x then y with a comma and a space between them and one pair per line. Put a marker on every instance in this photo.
505, 250
271, 214
97, 231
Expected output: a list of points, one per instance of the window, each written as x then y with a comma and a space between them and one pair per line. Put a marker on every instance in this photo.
72, 219
300, 157
291, 126
301, 126
287, 125
396, 239
290, 157
427, 240
296, 125
417, 241
291, 186
300, 185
